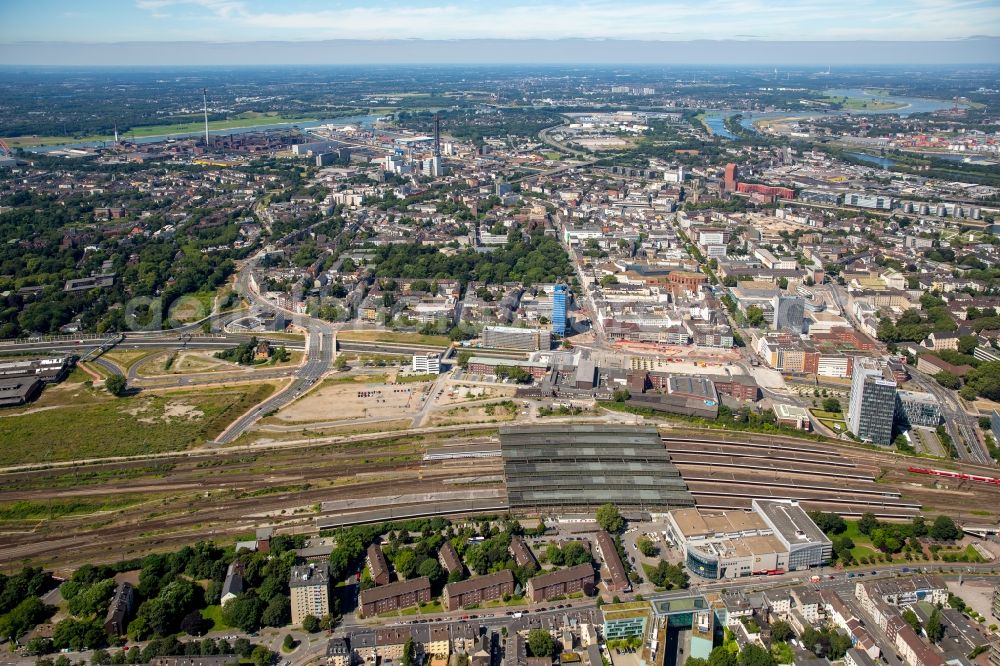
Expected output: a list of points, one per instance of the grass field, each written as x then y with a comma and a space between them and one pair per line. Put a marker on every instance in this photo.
864, 103
145, 423
409, 379
214, 613
395, 336
862, 544
124, 359
245, 120
25, 510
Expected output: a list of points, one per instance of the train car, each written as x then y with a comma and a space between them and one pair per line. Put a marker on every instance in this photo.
962, 476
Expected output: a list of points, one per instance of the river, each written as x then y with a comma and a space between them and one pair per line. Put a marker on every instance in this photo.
910, 106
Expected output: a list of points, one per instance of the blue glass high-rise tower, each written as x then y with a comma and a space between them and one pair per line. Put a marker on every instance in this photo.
559, 309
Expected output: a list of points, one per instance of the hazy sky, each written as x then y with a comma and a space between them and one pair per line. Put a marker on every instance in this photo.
251, 20
254, 32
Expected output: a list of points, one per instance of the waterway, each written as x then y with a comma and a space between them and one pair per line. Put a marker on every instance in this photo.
366, 121
716, 119
910, 105
883, 162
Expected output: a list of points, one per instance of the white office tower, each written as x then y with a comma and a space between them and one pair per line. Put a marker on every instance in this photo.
426, 364
432, 167
674, 175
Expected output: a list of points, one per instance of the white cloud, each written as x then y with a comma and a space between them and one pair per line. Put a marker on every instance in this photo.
595, 19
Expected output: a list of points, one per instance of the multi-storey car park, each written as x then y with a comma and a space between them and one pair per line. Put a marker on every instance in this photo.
582, 466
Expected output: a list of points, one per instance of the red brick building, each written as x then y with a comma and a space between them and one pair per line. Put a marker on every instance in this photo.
741, 387
564, 581
730, 178
477, 590
766, 190
394, 596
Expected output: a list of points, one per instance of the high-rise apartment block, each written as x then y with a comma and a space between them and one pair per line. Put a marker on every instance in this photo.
310, 589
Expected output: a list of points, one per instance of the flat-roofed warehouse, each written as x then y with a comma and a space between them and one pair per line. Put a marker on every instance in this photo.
584, 466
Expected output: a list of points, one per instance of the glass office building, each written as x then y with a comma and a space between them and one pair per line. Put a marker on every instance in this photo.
559, 295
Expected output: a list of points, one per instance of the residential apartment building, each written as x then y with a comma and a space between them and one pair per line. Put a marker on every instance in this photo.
477, 590
378, 567
394, 596
561, 582
310, 590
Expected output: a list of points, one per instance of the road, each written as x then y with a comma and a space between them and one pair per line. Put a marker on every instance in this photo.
321, 344
962, 427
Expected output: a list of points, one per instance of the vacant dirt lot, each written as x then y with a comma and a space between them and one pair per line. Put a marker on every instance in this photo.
459, 393
361, 399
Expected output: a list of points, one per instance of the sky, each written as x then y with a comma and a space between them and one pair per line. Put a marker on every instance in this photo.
100, 22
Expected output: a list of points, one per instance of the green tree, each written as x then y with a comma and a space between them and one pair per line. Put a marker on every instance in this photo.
288, 643
23, 617
944, 529
781, 631
755, 655
244, 611
278, 612
409, 653
755, 316
868, 523
967, 344
541, 643
912, 620
610, 519
261, 656
621, 395
831, 405
405, 562
646, 546
115, 385
574, 553
670, 576
934, 628
430, 568
830, 523
948, 380
720, 656
310, 623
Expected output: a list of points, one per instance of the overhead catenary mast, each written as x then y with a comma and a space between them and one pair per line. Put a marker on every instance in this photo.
204, 97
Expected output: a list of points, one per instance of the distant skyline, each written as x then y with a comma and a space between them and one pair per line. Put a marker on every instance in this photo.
163, 32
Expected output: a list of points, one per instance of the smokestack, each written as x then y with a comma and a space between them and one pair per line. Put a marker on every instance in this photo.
204, 98
437, 135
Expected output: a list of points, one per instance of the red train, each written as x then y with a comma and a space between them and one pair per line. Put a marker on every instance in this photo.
956, 475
